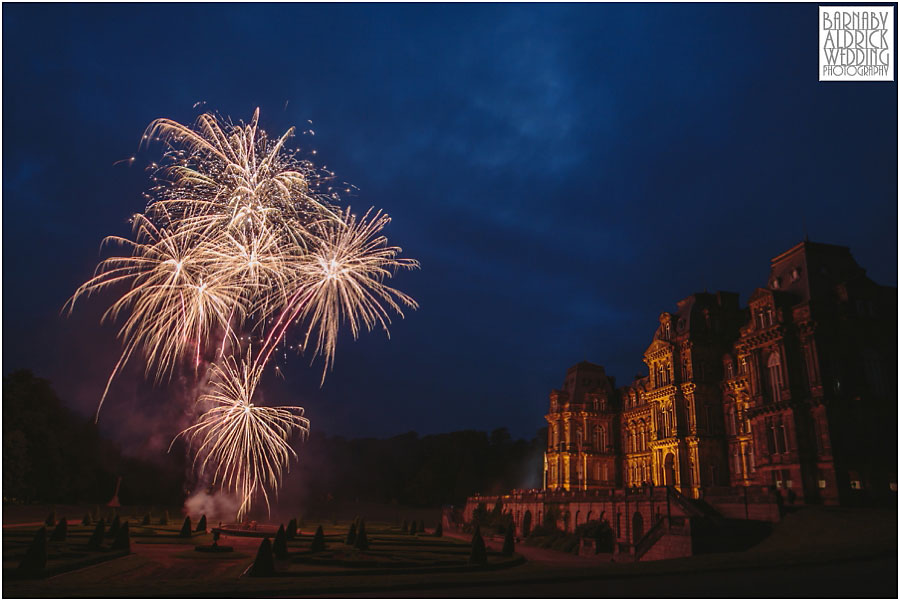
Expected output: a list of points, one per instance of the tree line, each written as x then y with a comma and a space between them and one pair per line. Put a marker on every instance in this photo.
53, 455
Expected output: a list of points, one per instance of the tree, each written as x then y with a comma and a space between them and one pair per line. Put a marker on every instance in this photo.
404, 529
35, 559
509, 543
478, 554
201, 525
439, 529
86, 520
412, 527
114, 527
351, 534
96, 540
318, 541
50, 522
279, 547
147, 518
164, 518
123, 539
59, 533
264, 564
291, 530
362, 541
186, 527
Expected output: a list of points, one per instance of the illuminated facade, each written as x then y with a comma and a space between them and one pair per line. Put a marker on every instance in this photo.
796, 392
581, 431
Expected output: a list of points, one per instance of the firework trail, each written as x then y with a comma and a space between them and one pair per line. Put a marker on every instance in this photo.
246, 446
241, 237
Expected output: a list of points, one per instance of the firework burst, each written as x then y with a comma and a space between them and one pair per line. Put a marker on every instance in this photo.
239, 237
245, 446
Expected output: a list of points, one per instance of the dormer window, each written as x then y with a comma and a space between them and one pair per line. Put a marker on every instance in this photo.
795, 274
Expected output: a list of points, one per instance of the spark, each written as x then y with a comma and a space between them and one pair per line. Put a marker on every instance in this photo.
236, 245
246, 446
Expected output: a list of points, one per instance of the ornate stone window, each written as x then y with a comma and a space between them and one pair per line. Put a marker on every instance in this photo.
775, 384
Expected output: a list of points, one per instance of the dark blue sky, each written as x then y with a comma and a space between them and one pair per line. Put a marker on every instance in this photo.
564, 173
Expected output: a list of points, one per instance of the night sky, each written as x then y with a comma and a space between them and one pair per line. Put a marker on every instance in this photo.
564, 173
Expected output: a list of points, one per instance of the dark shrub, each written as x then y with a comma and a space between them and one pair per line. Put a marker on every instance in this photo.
123, 538
291, 530
35, 559
601, 532
404, 529
318, 541
264, 564
509, 543
551, 517
413, 528
480, 515
201, 525
96, 539
59, 533
479, 551
114, 527
186, 527
362, 541
439, 530
164, 519
279, 547
86, 520
146, 521
50, 522
351, 534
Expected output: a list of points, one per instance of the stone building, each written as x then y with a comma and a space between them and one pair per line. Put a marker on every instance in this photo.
792, 399
746, 396
582, 428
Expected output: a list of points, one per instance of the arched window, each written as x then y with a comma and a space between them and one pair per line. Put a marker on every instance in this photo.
601, 439
774, 366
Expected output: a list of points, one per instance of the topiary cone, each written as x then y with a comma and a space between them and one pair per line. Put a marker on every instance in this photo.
123, 539
318, 541
59, 533
362, 541
50, 522
86, 520
405, 527
186, 527
114, 527
291, 531
479, 551
146, 521
264, 564
96, 540
351, 534
201, 525
279, 547
439, 531
509, 542
164, 520
35, 559
413, 527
